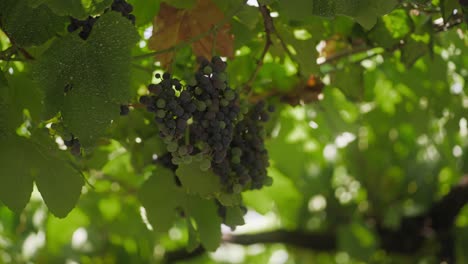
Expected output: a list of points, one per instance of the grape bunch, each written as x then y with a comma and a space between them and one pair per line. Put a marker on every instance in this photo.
124, 8
246, 162
74, 145
173, 107
205, 121
87, 24
217, 109
207, 103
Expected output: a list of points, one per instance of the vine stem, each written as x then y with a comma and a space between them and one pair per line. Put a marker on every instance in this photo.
24, 52
269, 29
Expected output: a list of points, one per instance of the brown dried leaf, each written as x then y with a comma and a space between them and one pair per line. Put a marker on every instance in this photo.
173, 26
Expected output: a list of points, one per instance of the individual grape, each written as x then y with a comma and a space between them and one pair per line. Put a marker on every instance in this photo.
172, 147
74, 145
235, 160
155, 89
237, 188
207, 70
222, 125
161, 103
183, 150
187, 159
124, 110
76, 149
176, 160
236, 151
205, 165
68, 87
132, 18
218, 64
230, 95
160, 113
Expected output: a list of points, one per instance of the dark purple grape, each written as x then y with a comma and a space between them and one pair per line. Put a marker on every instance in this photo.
124, 110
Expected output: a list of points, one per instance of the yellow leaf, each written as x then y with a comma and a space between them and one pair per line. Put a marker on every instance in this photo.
173, 26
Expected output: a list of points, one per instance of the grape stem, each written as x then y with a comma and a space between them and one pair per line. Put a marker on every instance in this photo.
15, 47
8, 54
269, 29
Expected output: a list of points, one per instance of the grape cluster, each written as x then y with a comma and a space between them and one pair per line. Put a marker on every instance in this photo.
204, 121
171, 104
74, 145
87, 24
217, 109
246, 162
173, 108
124, 8
207, 103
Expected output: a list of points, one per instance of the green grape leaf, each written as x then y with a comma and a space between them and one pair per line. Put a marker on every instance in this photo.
5, 100
23, 161
296, 9
282, 195
75, 8
28, 26
160, 196
60, 186
120, 168
97, 72
304, 46
16, 157
26, 95
390, 29
365, 12
205, 214
144, 11
58, 182
17, 93
412, 51
196, 181
234, 216
193, 240
228, 199
249, 16
350, 80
